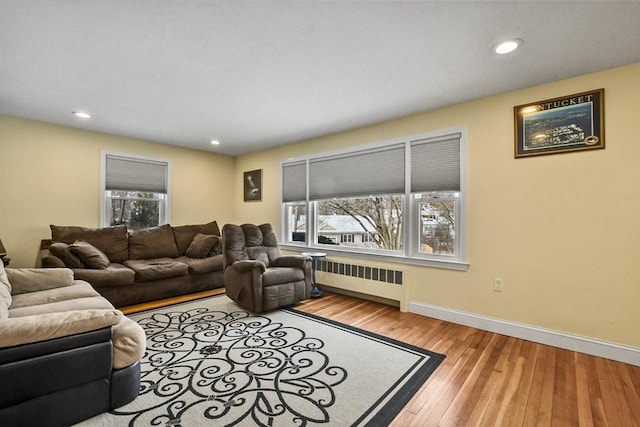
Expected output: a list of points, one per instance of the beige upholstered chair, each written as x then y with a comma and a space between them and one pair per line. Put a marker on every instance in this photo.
256, 275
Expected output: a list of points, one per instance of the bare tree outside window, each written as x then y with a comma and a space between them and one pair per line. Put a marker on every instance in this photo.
136, 210
379, 217
438, 227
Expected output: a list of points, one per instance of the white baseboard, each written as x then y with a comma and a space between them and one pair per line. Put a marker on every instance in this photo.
594, 347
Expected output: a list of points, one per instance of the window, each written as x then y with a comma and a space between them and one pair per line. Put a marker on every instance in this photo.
367, 238
135, 191
401, 199
346, 238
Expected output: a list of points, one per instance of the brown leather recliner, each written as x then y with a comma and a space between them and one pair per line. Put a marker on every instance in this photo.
256, 275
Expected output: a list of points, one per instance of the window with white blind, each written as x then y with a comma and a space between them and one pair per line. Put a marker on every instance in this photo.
402, 199
135, 191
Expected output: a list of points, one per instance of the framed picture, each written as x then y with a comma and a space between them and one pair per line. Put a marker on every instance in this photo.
559, 125
253, 186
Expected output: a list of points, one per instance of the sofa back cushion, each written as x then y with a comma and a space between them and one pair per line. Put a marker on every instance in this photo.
112, 241
5, 293
25, 280
184, 234
155, 242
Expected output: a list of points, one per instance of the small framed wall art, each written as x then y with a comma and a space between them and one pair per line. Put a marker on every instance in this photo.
253, 186
560, 125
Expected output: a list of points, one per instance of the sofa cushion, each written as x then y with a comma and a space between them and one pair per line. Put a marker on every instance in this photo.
114, 275
79, 289
112, 241
204, 265
55, 324
156, 269
62, 251
90, 256
85, 303
203, 245
150, 243
184, 234
5, 293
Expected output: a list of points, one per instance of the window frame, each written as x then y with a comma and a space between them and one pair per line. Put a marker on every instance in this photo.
105, 197
411, 222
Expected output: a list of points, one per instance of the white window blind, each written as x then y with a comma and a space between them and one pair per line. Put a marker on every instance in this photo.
294, 182
132, 174
435, 164
359, 173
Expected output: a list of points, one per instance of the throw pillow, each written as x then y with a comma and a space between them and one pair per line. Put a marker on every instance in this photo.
90, 256
62, 251
184, 234
202, 245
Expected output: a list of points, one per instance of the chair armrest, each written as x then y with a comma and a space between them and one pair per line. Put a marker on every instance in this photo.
246, 265
291, 261
25, 280
40, 327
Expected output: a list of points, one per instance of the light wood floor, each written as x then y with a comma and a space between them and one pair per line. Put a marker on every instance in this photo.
489, 379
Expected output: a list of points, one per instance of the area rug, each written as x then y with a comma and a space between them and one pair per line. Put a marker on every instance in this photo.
209, 362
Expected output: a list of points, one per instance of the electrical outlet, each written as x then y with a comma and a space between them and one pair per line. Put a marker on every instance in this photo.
497, 284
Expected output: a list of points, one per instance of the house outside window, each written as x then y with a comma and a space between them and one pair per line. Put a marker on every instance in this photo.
135, 191
401, 199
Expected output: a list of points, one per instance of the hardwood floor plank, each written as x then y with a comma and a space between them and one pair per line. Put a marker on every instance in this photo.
585, 413
528, 355
628, 386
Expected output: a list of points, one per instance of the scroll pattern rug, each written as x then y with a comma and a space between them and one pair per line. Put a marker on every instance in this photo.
209, 362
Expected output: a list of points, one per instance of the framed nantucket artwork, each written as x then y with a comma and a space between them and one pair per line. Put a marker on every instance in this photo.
559, 125
253, 186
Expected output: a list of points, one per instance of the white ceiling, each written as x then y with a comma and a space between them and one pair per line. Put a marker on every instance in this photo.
256, 74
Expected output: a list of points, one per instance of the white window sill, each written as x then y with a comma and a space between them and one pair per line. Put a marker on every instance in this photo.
397, 259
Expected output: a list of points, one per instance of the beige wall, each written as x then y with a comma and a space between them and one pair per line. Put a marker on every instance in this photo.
50, 174
563, 231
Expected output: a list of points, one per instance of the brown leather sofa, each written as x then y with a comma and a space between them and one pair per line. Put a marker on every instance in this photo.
66, 354
134, 267
256, 275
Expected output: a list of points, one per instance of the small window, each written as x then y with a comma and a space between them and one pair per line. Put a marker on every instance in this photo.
135, 192
346, 238
367, 238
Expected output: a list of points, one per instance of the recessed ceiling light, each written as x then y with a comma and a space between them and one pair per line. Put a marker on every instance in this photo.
507, 46
215, 142
81, 114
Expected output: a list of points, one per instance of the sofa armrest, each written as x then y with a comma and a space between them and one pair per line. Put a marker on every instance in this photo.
49, 260
297, 261
29, 329
25, 280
